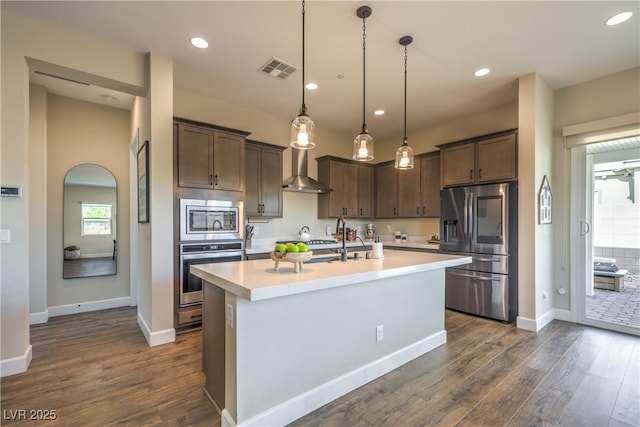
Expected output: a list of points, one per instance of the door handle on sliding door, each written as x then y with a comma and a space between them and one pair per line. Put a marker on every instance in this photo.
585, 228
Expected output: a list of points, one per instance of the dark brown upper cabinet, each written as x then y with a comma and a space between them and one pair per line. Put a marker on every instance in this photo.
209, 158
263, 180
352, 184
492, 158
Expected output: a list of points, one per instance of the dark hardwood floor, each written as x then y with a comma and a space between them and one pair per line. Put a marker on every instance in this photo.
96, 369
89, 267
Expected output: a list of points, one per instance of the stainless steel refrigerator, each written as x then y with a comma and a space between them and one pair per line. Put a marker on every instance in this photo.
482, 222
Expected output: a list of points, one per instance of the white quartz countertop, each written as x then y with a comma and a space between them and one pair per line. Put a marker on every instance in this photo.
264, 248
258, 280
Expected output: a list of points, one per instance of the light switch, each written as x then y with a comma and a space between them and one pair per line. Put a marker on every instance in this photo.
5, 237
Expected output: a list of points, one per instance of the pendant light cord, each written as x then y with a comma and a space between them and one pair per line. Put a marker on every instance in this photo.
364, 75
303, 108
404, 141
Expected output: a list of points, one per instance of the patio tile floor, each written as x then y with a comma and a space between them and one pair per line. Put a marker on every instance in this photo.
622, 308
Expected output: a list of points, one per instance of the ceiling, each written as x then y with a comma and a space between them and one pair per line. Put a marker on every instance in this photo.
565, 42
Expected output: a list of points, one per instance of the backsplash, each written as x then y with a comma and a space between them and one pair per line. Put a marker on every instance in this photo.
300, 209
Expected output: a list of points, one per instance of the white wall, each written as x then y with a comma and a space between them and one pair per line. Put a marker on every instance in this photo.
38, 218
602, 98
23, 38
82, 132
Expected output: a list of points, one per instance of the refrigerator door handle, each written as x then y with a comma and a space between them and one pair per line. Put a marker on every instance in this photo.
487, 259
475, 276
465, 230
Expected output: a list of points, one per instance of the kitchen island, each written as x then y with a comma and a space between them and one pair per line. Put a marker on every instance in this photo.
278, 345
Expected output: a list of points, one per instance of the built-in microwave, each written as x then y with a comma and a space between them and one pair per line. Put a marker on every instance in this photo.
210, 220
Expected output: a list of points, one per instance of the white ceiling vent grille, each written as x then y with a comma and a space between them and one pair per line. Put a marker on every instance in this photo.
277, 68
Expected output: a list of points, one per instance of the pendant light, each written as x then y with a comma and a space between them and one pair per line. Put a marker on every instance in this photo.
363, 143
404, 154
302, 127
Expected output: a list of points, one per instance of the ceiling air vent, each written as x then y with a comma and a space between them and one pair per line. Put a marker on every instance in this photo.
277, 68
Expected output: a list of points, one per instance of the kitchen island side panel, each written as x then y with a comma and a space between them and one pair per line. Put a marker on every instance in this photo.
285, 347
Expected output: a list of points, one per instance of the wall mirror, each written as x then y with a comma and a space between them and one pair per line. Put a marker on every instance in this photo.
89, 222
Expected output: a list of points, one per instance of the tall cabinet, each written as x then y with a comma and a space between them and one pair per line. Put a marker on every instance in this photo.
263, 180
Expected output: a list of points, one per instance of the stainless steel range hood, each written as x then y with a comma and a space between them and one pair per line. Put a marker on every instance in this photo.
300, 181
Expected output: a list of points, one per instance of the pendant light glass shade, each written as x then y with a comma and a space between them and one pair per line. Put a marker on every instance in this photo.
302, 132
363, 143
404, 154
363, 147
302, 127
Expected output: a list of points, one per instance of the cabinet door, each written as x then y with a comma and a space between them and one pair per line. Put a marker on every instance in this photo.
365, 192
497, 159
271, 185
194, 157
349, 189
458, 164
252, 181
430, 177
386, 191
228, 162
409, 192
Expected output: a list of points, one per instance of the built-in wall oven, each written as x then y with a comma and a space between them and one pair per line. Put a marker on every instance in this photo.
202, 253
210, 220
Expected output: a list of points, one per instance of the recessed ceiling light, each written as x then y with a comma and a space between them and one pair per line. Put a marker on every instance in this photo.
618, 18
481, 72
200, 43
378, 112
311, 86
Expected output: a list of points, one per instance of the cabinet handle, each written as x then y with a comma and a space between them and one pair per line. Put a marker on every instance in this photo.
470, 173
210, 179
418, 210
480, 173
262, 208
215, 180
424, 212
394, 211
360, 211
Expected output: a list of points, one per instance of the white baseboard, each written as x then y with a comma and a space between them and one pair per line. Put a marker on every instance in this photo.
37, 318
226, 419
300, 405
156, 338
565, 315
542, 321
16, 365
83, 307
105, 255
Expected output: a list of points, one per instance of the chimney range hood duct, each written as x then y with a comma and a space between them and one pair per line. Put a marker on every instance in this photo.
300, 181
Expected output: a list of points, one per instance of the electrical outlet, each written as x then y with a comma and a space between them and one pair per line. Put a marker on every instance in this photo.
230, 315
389, 228
256, 230
379, 333
328, 230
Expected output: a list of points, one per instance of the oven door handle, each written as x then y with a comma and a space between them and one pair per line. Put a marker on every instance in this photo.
221, 254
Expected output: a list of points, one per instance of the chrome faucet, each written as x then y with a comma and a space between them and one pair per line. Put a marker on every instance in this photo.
343, 255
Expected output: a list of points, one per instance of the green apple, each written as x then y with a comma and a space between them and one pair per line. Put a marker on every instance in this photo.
293, 248
302, 247
280, 247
